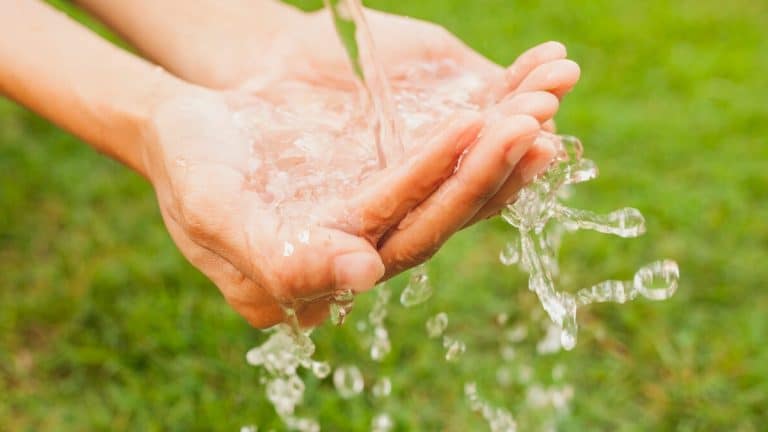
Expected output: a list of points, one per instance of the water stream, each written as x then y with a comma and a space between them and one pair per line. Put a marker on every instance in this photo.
393, 114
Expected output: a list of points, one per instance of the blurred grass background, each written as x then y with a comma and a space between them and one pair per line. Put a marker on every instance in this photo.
104, 326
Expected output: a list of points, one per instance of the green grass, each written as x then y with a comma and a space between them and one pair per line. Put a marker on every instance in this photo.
104, 326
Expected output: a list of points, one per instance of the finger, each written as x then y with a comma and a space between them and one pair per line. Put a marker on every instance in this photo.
536, 160
291, 260
531, 59
250, 300
541, 105
392, 193
482, 171
549, 126
317, 261
557, 77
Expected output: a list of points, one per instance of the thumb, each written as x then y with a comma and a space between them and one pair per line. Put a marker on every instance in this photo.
316, 262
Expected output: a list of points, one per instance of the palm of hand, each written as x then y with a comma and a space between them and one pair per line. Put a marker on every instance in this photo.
270, 217
250, 192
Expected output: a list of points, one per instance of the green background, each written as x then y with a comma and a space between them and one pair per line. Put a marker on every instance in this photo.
104, 326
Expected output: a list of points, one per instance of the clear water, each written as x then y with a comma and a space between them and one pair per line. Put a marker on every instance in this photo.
331, 142
418, 289
355, 35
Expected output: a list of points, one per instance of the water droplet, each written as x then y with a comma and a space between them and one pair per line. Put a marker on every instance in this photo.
382, 422
381, 346
321, 369
288, 249
341, 305
453, 348
510, 255
437, 325
551, 343
516, 334
627, 222
382, 388
501, 319
348, 381
301, 424
285, 394
658, 280
567, 339
379, 309
418, 289
498, 419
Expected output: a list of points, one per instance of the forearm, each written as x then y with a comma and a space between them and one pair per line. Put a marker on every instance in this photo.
187, 36
69, 75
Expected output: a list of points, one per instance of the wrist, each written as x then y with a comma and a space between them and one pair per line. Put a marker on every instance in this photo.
164, 93
62, 71
131, 123
208, 42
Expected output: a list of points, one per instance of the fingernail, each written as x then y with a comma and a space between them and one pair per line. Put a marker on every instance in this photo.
357, 271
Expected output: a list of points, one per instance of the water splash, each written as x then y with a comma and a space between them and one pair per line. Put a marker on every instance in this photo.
539, 217
348, 381
538, 214
380, 343
281, 356
349, 19
454, 348
498, 419
437, 325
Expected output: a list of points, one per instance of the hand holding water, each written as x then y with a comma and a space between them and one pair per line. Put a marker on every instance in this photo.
197, 155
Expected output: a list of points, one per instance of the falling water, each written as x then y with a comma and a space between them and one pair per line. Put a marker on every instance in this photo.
393, 113
356, 36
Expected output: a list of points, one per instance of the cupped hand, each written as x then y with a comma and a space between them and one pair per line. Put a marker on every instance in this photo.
263, 250
424, 58
268, 240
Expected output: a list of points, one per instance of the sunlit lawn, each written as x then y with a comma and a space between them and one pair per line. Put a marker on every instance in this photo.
103, 325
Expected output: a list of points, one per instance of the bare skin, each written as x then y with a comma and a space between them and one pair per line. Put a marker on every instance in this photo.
181, 137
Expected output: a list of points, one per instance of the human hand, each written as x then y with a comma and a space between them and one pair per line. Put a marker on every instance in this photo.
262, 250
308, 51
305, 48
411, 222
